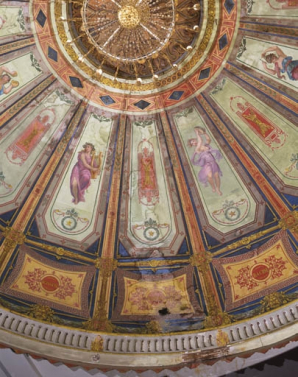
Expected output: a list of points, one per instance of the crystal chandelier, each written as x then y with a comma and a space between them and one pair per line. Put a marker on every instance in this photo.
129, 30
133, 36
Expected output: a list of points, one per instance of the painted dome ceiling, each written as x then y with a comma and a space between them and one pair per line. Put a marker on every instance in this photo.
148, 179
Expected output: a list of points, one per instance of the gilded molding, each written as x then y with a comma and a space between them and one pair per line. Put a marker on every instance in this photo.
282, 30
246, 241
60, 252
290, 222
201, 261
153, 264
23, 102
106, 266
10, 47
13, 238
99, 321
107, 263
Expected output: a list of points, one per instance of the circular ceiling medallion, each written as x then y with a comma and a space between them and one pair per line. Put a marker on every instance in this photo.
129, 31
260, 272
50, 283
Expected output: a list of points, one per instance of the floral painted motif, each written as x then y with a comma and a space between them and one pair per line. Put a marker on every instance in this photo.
276, 266
33, 279
49, 284
250, 277
244, 279
60, 286
66, 288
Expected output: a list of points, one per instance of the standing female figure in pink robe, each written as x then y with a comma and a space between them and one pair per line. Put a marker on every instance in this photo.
81, 174
206, 157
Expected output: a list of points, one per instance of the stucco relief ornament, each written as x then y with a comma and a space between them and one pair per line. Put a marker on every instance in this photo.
13, 234
201, 261
275, 300
222, 338
153, 327
217, 318
106, 266
97, 344
290, 222
99, 321
41, 312
13, 238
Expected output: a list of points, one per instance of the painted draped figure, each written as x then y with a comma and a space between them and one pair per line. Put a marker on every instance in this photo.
206, 157
87, 168
147, 185
281, 62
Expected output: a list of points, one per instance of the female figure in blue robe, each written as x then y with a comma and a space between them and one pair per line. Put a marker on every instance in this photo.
282, 63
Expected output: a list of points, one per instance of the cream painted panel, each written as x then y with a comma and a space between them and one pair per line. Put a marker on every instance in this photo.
226, 201
274, 137
74, 216
24, 145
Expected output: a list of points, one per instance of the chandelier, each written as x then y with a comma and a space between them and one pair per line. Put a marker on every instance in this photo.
129, 30
134, 39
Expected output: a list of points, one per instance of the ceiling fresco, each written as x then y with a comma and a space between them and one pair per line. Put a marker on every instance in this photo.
149, 162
